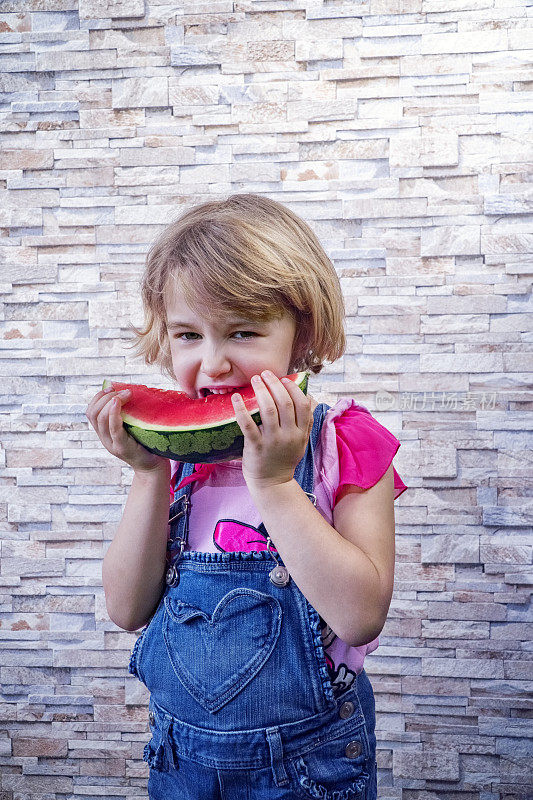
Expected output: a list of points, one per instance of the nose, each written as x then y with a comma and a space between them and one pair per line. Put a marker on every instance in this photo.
214, 362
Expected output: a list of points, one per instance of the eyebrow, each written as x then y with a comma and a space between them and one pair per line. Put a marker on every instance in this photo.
236, 321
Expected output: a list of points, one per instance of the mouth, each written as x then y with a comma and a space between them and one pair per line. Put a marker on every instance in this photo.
204, 392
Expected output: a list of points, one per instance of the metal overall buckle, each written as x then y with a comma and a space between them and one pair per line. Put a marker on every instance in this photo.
279, 575
172, 577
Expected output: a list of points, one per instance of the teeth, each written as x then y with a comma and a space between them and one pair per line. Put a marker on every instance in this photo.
219, 391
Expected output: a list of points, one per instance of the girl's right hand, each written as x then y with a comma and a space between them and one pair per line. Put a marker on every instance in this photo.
103, 412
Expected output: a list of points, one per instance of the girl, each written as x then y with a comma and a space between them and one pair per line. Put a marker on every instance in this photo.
270, 579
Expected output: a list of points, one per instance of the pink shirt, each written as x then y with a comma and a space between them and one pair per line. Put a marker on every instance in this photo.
353, 448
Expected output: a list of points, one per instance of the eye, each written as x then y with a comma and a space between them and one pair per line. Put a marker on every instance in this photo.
247, 334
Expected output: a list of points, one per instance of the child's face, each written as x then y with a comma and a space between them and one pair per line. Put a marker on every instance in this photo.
210, 352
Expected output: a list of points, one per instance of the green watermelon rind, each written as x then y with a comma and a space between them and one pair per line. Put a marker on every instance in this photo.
205, 446
209, 444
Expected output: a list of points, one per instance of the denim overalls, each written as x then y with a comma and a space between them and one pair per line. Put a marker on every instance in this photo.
241, 706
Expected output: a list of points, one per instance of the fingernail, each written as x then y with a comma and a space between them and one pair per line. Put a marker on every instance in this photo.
123, 393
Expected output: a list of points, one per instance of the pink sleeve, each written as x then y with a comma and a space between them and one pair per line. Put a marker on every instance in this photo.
365, 449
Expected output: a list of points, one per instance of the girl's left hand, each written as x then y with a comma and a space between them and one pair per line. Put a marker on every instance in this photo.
273, 450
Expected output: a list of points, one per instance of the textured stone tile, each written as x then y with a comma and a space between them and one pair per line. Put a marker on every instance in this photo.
140, 93
111, 9
426, 150
469, 42
71, 60
25, 159
413, 764
450, 240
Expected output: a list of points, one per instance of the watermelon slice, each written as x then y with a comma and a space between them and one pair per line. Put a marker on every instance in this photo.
203, 429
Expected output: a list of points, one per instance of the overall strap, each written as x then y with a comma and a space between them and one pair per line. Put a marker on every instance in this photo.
179, 511
304, 472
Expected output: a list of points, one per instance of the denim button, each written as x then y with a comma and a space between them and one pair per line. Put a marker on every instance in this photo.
151, 718
346, 710
353, 749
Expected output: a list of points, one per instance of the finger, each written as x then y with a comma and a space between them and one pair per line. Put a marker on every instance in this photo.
302, 404
119, 436
244, 419
98, 402
124, 394
288, 396
270, 417
102, 426
93, 412
103, 417
90, 410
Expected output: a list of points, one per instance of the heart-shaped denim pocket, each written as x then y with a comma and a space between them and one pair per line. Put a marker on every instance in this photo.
216, 655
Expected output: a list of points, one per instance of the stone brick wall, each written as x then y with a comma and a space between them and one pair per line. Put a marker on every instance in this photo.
399, 130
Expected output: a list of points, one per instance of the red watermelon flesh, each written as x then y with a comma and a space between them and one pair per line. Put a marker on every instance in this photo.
203, 429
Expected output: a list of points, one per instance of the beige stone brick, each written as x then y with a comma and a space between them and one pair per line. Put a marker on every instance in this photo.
147, 176
519, 38
507, 242
89, 176
16, 22
455, 629
39, 746
380, 109
157, 156
318, 49
140, 92
445, 187
76, 60
145, 214
425, 151
33, 567
110, 117
260, 171
457, 362
370, 208
180, 95
26, 159
111, 9
369, 87
414, 763
37, 785
20, 621
340, 150
471, 42
107, 766
128, 716
267, 112
132, 41
388, 47
34, 457
450, 241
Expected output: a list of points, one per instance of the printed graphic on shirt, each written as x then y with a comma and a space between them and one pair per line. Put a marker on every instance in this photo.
231, 536
341, 677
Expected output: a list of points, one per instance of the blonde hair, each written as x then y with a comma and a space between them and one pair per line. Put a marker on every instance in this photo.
246, 255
